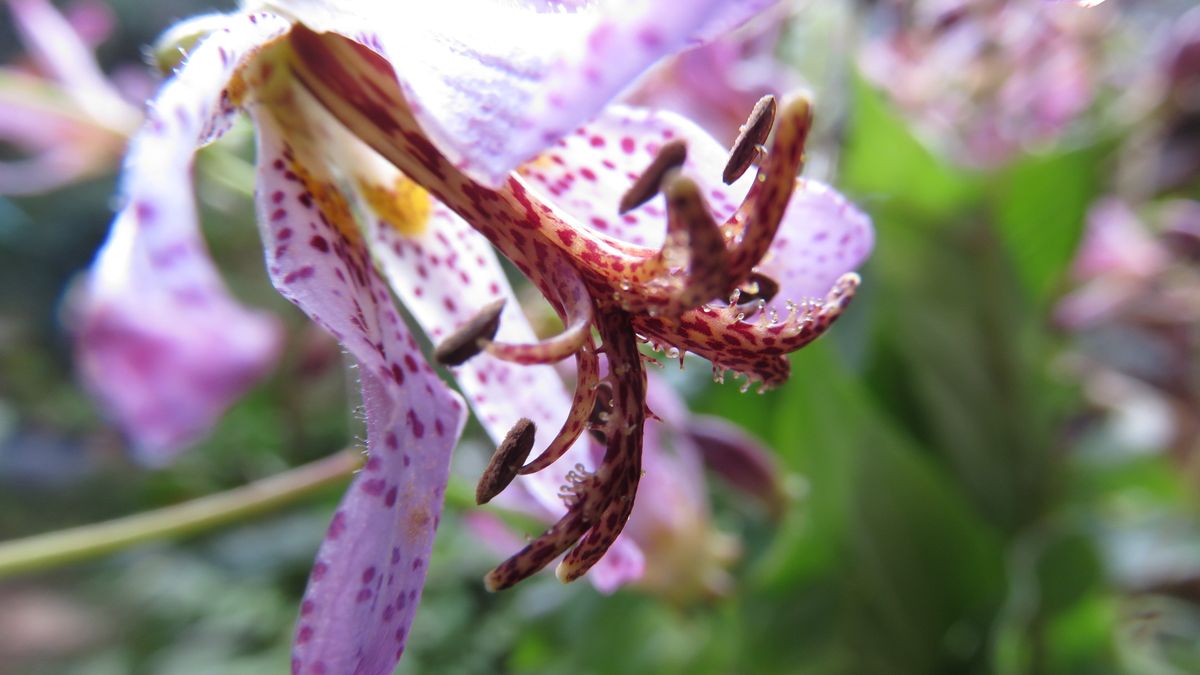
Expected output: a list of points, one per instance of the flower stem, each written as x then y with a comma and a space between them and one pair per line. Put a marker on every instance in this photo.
43, 551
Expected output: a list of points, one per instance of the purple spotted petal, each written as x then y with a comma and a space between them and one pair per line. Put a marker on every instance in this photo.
160, 341
493, 83
822, 235
368, 576
167, 364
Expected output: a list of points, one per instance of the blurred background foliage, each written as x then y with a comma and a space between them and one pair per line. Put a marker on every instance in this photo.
982, 485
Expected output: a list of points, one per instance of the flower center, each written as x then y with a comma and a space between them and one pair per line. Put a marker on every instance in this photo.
673, 297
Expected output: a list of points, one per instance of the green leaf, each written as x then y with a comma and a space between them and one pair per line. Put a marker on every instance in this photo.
1040, 204
887, 168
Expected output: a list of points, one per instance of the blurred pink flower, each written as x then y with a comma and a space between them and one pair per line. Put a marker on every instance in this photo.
987, 80
1117, 257
63, 111
715, 84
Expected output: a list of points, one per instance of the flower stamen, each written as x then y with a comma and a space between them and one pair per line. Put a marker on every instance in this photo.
470, 338
587, 366
691, 266
748, 146
573, 302
506, 461
599, 502
671, 156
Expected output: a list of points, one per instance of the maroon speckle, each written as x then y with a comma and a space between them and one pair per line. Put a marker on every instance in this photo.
418, 427
336, 527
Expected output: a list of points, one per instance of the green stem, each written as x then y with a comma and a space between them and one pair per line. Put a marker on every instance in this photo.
43, 551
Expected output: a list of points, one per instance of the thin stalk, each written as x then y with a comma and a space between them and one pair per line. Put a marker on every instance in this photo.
43, 551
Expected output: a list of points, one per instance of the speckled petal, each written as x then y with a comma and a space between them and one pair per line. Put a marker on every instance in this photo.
160, 341
585, 174
368, 576
493, 83
821, 237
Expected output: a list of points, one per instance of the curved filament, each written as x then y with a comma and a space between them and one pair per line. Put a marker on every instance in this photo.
752, 228
587, 366
574, 304
599, 503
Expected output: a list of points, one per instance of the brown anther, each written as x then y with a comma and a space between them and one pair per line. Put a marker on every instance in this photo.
671, 156
471, 337
758, 287
754, 133
506, 461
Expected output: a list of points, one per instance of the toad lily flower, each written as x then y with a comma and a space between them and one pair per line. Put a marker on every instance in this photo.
988, 80
419, 131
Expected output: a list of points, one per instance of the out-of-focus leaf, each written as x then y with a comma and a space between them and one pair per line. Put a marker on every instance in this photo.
961, 364
1067, 569
876, 527
887, 168
1040, 204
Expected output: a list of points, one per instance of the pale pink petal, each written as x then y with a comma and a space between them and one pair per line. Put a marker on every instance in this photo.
716, 85
622, 564
1117, 243
496, 536
1117, 256
821, 237
160, 341
62, 54
58, 142
492, 83
367, 579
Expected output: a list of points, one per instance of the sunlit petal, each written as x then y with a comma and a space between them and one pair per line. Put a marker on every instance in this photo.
492, 83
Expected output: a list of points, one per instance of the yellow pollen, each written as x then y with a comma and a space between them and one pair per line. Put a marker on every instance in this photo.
330, 202
404, 205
